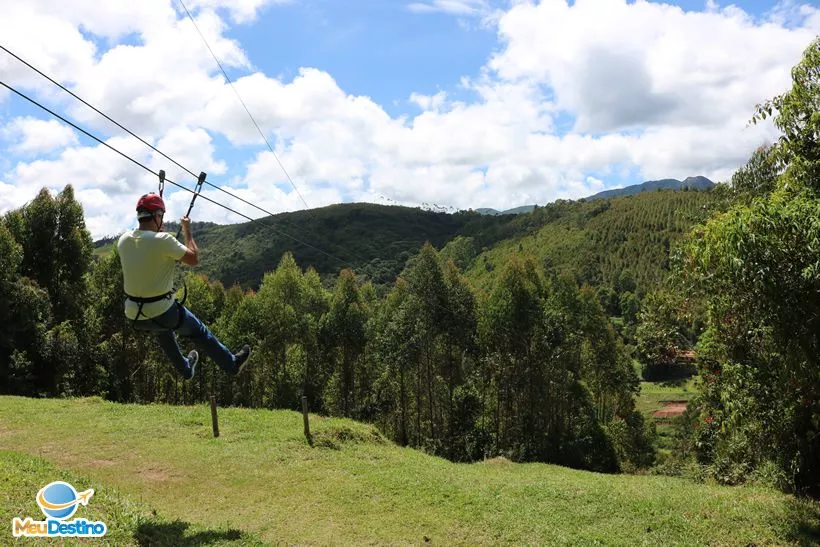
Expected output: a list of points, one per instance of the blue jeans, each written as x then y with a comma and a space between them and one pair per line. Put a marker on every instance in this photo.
192, 328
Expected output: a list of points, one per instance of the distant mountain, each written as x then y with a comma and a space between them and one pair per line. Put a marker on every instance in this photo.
519, 210
699, 183
513, 211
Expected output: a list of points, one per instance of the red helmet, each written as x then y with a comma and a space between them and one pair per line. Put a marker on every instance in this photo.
150, 204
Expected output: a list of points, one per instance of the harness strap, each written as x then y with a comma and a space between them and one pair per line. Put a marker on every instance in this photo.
146, 300
184, 292
149, 299
141, 301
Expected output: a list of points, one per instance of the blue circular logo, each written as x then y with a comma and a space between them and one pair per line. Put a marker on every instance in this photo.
58, 500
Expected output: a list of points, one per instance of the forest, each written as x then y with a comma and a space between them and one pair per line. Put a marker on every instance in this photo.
522, 337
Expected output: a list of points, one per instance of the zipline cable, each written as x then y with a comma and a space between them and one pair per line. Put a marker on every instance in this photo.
126, 156
243, 104
148, 169
95, 109
149, 145
143, 141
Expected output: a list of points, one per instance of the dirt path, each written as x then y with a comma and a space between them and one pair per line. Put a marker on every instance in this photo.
671, 409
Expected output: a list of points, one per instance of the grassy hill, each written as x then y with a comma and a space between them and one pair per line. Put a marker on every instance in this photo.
656, 396
261, 479
129, 521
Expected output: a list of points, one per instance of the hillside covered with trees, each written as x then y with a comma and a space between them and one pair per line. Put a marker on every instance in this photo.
495, 335
375, 240
593, 241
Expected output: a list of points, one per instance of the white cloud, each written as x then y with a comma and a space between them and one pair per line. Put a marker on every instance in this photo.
455, 7
12, 197
165, 80
313, 97
241, 11
32, 135
52, 43
429, 102
471, 14
572, 96
106, 19
192, 148
616, 65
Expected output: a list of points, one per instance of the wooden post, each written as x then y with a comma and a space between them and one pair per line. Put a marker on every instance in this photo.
214, 421
305, 416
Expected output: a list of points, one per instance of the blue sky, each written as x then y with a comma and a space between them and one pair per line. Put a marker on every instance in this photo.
378, 49
372, 47
381, 49
367, 100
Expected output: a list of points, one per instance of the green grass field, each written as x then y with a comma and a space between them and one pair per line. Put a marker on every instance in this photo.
159, 474
128, 522
653, 396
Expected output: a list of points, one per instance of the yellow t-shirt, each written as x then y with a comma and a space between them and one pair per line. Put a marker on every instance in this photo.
148, 261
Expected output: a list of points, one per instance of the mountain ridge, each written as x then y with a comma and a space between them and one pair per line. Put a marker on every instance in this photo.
698, 182
376, 241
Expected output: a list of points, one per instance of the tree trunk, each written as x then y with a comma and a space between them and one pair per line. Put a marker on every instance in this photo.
403, 431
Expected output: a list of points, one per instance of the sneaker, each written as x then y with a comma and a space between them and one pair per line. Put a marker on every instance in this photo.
242, 358
193, 359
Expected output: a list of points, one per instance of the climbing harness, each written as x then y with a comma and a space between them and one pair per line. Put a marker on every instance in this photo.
142, 301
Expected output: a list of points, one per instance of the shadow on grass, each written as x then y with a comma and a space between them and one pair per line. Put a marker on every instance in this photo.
676, 382
804, 518
157, 533
669, 375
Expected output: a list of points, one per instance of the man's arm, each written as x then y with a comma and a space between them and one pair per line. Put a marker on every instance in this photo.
191, 256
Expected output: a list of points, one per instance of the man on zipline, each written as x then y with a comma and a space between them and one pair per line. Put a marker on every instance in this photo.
148, 256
